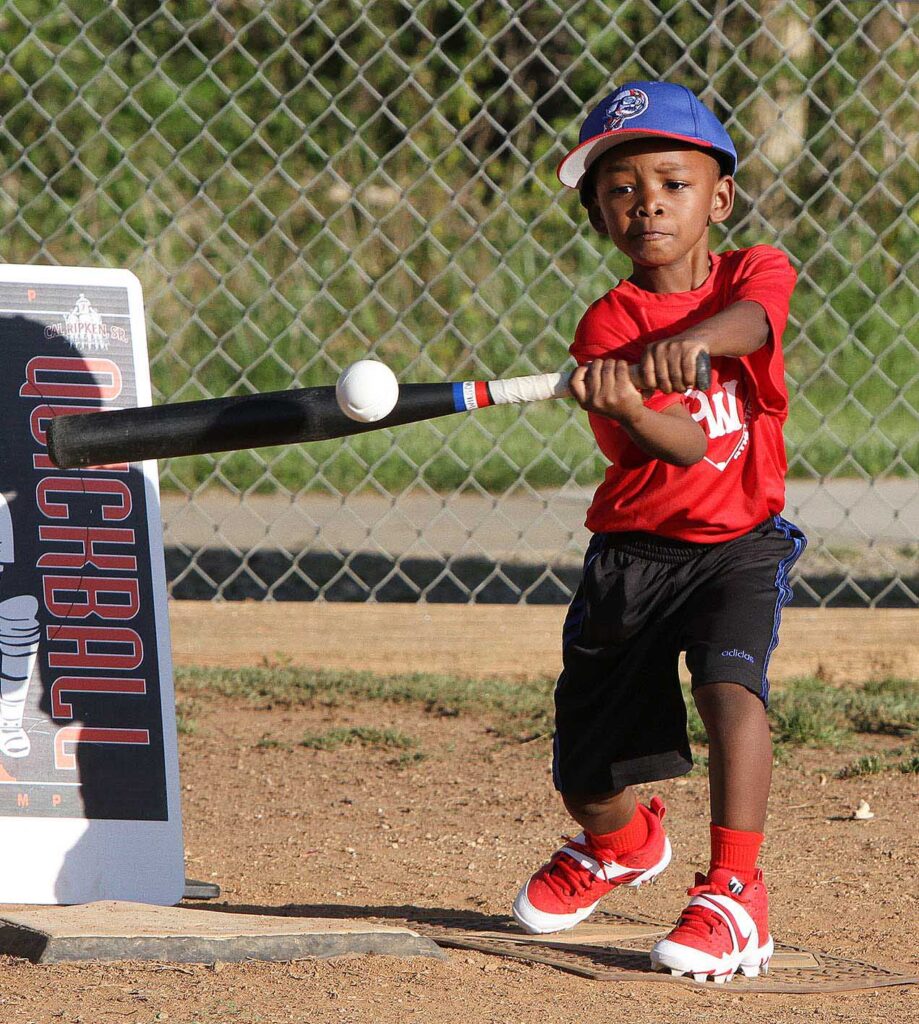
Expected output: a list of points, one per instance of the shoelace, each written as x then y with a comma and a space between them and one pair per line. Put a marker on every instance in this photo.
701, 920
564, 876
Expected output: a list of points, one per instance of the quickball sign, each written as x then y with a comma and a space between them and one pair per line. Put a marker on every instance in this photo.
89, 805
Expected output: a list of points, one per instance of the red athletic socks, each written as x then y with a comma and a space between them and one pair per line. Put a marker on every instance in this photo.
626, 839
735, 851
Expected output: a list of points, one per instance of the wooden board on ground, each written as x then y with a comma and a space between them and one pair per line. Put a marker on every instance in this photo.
517, 641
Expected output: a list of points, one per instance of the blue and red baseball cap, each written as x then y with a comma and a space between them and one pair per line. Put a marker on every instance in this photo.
647, 110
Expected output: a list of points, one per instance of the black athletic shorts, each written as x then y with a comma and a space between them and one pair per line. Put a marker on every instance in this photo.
620, 716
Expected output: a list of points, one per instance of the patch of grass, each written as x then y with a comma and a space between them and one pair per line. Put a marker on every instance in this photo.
514, 708
384, 739
695, 730
186, 725
804, 712
781, 753
270, 743
910, 766
870, 764
809, 712
804, 725
407, 758
888, 707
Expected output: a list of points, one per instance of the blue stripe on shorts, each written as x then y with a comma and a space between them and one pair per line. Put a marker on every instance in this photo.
784, 593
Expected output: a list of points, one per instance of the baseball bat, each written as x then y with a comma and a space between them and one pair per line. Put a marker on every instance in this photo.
279, 417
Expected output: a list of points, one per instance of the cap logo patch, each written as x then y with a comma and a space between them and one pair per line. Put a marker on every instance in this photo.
627, 105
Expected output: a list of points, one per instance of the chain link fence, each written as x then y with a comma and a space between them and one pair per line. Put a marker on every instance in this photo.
299, 185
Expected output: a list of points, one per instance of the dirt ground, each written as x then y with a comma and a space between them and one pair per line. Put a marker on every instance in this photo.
363, 832
838, 645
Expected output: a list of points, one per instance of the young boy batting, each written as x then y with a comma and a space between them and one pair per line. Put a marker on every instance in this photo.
689, 550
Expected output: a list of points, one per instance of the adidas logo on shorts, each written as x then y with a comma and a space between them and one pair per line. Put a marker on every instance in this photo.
737, 654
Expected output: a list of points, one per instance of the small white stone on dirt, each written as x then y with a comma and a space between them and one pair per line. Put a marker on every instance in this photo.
863, 812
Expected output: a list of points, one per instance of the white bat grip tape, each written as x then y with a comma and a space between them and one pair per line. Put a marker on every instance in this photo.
529, 389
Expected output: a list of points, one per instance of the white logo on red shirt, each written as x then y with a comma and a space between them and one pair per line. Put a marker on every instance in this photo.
720, 415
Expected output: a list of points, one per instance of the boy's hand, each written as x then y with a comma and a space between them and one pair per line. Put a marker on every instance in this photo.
670, 365
604, 386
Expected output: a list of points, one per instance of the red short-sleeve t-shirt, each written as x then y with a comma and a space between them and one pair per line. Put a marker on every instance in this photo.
741, 479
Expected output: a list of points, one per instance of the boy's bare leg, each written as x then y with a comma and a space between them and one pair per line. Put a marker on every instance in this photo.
600, 813
740, 755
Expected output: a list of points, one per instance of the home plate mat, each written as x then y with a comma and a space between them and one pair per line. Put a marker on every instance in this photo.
614, 947
116, 930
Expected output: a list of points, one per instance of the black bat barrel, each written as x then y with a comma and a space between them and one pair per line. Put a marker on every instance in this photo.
226, 424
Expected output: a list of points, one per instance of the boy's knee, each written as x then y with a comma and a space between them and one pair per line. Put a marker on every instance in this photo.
591, 804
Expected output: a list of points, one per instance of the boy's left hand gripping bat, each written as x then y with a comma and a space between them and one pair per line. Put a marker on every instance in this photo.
277, 417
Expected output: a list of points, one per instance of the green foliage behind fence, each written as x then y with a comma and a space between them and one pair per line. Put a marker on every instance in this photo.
297, 184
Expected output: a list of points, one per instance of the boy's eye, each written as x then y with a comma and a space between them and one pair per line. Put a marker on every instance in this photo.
677, 186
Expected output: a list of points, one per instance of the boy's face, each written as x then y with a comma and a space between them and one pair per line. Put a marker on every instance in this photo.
655, 199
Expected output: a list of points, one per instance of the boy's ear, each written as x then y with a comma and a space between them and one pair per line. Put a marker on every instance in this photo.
722, 200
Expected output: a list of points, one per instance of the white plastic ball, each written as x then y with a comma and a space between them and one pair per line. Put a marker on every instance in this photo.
367, 391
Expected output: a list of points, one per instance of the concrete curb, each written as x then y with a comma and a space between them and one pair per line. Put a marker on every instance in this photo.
117, 930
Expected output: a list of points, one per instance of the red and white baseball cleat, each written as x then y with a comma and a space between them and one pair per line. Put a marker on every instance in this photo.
566, 890
724, 929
